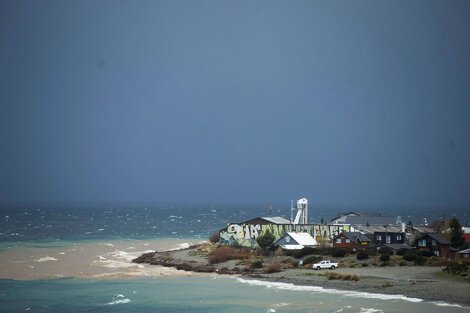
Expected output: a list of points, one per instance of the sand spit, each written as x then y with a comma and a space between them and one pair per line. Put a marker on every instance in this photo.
414, 282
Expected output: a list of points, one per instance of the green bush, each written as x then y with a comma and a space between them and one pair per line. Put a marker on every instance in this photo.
265, 241
402, 263
385, 257
455, 268
409, 256
362, 256
385, 250
257, 264
420, 260
402, 251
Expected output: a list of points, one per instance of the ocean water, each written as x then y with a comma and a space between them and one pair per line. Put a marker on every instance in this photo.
78, 260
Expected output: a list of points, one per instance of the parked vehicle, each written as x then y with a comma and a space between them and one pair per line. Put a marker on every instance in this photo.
325, 264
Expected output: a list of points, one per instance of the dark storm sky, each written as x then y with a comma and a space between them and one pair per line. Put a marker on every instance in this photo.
356, 104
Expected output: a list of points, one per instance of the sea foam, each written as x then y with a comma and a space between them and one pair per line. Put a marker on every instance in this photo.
347, 293
46, 258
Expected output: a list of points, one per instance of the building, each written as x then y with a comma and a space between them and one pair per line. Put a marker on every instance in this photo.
295, 241
464, 254
466, 233
340, 218
434, 243
245, 233
381, 235
351, 240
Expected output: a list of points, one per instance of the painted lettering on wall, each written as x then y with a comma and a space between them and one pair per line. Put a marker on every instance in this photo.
245, 234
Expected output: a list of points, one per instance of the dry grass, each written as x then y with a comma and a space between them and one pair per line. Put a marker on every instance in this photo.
339, 276
225, 253
273, 268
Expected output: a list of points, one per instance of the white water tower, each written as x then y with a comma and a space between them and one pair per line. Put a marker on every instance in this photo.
302, 212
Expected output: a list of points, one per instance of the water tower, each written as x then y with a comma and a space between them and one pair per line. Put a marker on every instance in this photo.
302, 212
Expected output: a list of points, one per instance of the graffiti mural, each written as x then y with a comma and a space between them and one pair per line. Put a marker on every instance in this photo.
245, 234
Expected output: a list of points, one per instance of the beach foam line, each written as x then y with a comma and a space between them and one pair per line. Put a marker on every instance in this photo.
46, 258
347, 293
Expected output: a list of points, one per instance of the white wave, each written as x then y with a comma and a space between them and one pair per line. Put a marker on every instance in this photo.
347, 293
365, 310
46, 258
109, 245
270, 310
440, 303
184, 245
119, 301
62, 253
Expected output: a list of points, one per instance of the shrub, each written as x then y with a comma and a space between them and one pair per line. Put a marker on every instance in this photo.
338, 276
409, 256
362, 256
224, 253
385, 250
273, 268
311, 259
402, 263
265, 241
338, 253
420, 260
402, 251
385, 257
426, 253
364, 265
371, 251
257, 264
455, 268
215, 237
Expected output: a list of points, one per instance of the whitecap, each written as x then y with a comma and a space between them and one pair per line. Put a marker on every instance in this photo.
46, 258
347, 293
366, 310
119, 301
440, 303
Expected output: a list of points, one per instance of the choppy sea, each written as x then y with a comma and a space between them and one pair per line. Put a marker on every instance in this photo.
107, 238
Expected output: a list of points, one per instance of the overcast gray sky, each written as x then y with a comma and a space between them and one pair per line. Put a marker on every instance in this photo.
350, 103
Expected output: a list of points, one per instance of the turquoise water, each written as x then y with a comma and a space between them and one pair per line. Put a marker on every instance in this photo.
189, 294
55, 230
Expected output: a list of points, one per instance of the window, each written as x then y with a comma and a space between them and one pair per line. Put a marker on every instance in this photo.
338, 240
422, 243
388, 239
378, 237
433, 242
348, 241
288, 239
398, 237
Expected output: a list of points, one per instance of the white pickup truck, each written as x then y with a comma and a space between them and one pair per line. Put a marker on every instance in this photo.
325, 264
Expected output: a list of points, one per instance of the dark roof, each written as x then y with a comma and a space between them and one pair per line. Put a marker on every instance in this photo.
466, 251
355, 235
371, 220
439, 238
267, 220
356, 213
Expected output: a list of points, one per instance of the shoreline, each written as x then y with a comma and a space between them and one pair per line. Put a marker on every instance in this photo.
414, 282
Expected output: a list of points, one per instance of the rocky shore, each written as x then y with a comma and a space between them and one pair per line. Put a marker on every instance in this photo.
420, 282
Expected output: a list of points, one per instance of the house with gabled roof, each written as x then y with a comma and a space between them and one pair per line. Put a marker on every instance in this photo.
351, 240
295, 241
434, 243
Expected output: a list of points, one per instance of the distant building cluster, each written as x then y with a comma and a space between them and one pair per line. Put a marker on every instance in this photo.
352, 230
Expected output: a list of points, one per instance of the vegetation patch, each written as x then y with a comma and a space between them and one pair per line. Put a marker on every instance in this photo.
225, 253
339, 276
